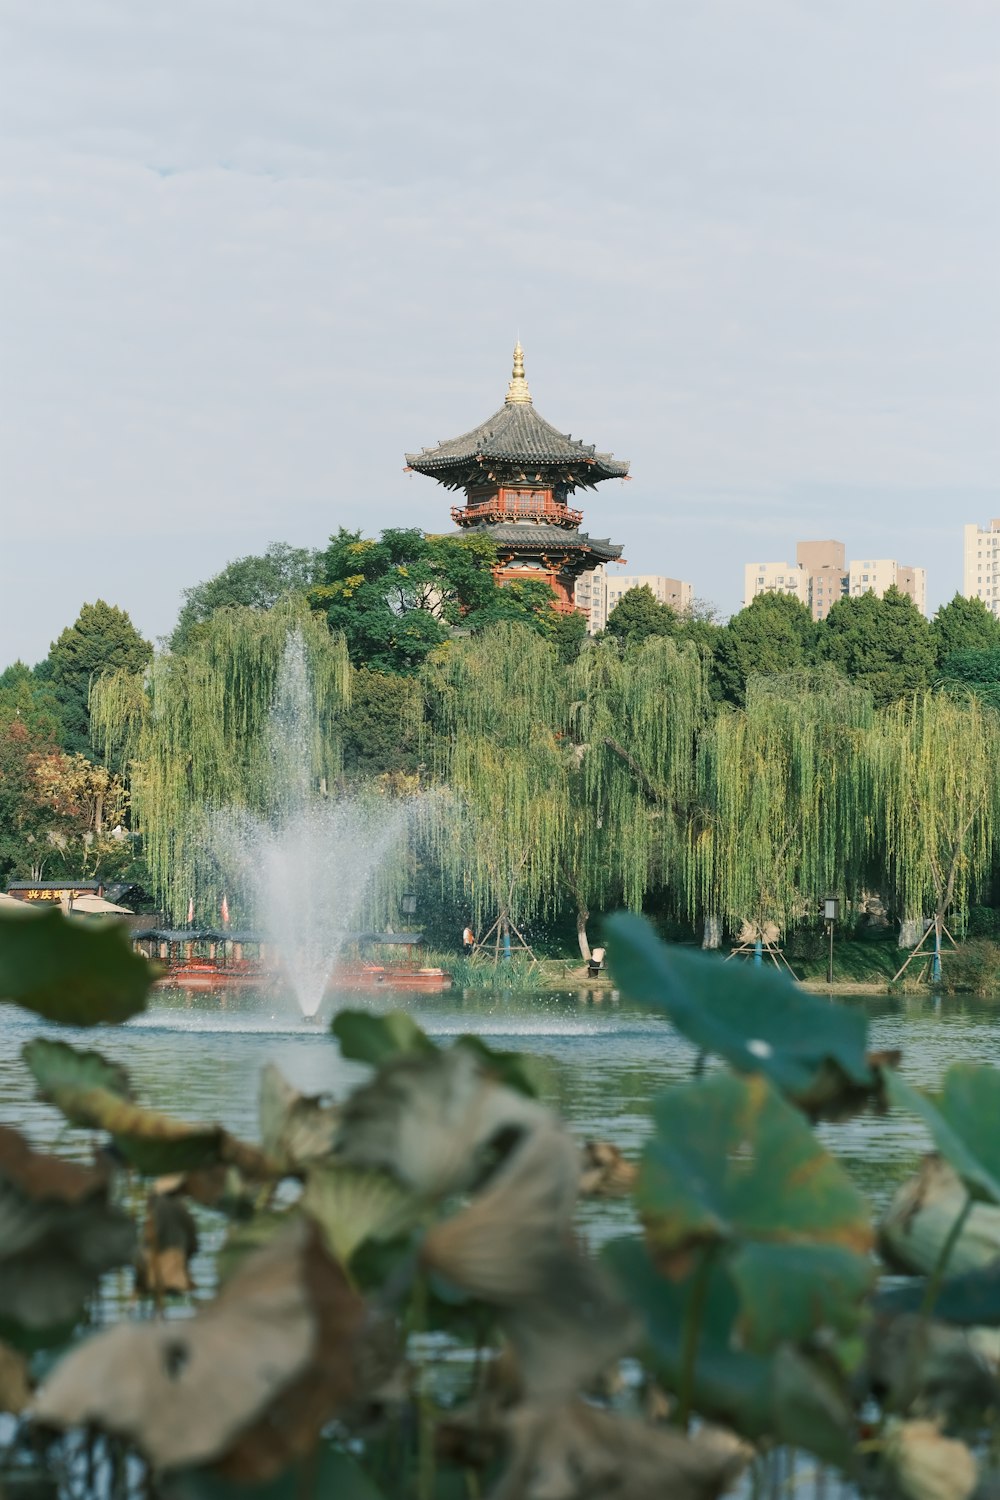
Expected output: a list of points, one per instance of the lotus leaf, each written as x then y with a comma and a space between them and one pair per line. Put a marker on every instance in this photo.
246, 1385
154, 1143
366, 1038
971, 1300
72, 972
376, 1039
352, 1206
169, 1242
732, 1165
57, 1065
15, 1383
577, 1451
786, 1396
960, 1119
331, 1472
294, 1128
434, 1121
757, 1021
58, 1235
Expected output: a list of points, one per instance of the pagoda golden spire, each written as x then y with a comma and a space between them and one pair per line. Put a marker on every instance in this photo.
517, 390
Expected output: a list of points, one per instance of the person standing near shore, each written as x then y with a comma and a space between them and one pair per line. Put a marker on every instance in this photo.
468, 941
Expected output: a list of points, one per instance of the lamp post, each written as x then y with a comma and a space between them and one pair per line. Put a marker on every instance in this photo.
831, 915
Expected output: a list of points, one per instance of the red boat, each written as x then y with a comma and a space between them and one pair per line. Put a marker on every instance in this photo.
207, 959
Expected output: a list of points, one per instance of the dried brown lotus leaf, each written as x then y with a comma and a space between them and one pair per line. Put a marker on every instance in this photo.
58, 1234
296, 1129
577, 1452
169, 1241
604, 1171
927, 1465
513, 1246
246, 1384
432, 1121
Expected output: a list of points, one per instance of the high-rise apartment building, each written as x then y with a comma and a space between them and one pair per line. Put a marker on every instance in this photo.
598, 591
820, 576
981, 570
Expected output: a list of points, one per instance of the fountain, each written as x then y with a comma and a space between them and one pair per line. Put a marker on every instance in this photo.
307, 868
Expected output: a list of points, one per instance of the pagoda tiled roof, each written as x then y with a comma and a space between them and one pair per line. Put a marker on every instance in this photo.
515, 443
532, 537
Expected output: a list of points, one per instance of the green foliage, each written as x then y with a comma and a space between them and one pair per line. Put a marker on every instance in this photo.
734, 1171
54, 1065
196, 735
76, 973
884, 645
963, 625
966, 671
936, 797
254, 582
395, 599
368, 1038
970, 1096
381, 728
102, 640
774, 633
757, 1021
782, 808
638, 615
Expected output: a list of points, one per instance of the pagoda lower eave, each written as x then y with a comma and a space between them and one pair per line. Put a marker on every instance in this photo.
552, 545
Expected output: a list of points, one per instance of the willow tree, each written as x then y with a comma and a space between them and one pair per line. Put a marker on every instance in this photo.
196, 732
937, 798
783, 811
635, 719
494, 706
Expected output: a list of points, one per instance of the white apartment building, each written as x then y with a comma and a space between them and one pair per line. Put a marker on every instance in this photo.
598, 591
820, 576
981, 567
877, 574
775, 578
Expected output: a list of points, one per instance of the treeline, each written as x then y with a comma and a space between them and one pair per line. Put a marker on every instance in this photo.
712, 774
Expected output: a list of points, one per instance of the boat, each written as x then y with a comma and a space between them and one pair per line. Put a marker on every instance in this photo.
205, 958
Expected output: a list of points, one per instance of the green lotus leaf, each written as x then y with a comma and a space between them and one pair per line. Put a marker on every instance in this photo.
366, 1038
56, 1065
786, 1291
785, 1396
960, 1119
733, 1166
971, 1300
758, 1021
352, 1206
330, 1472
73, 972
59, 1233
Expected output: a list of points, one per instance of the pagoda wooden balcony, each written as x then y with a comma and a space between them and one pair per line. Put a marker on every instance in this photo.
543, 508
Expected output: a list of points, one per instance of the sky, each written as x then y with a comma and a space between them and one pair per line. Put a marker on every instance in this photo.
252, 251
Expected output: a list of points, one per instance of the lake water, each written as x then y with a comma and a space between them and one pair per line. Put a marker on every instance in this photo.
200, 1059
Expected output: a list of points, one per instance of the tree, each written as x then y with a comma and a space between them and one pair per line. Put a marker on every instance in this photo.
774, 633
964, 625
397, 598
381, 729
253, 582
102, 640
883, 644
937, 798
27, 696
635, 718
976, 672
639, 615
495, 711
195, 733
783, 804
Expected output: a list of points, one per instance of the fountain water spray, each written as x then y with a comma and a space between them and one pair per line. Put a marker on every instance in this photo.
308, 867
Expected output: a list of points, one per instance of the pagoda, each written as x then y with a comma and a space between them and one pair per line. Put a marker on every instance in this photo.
518, 473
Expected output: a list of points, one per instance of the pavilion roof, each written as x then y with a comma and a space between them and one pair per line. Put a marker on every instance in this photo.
531, 538
516, 443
